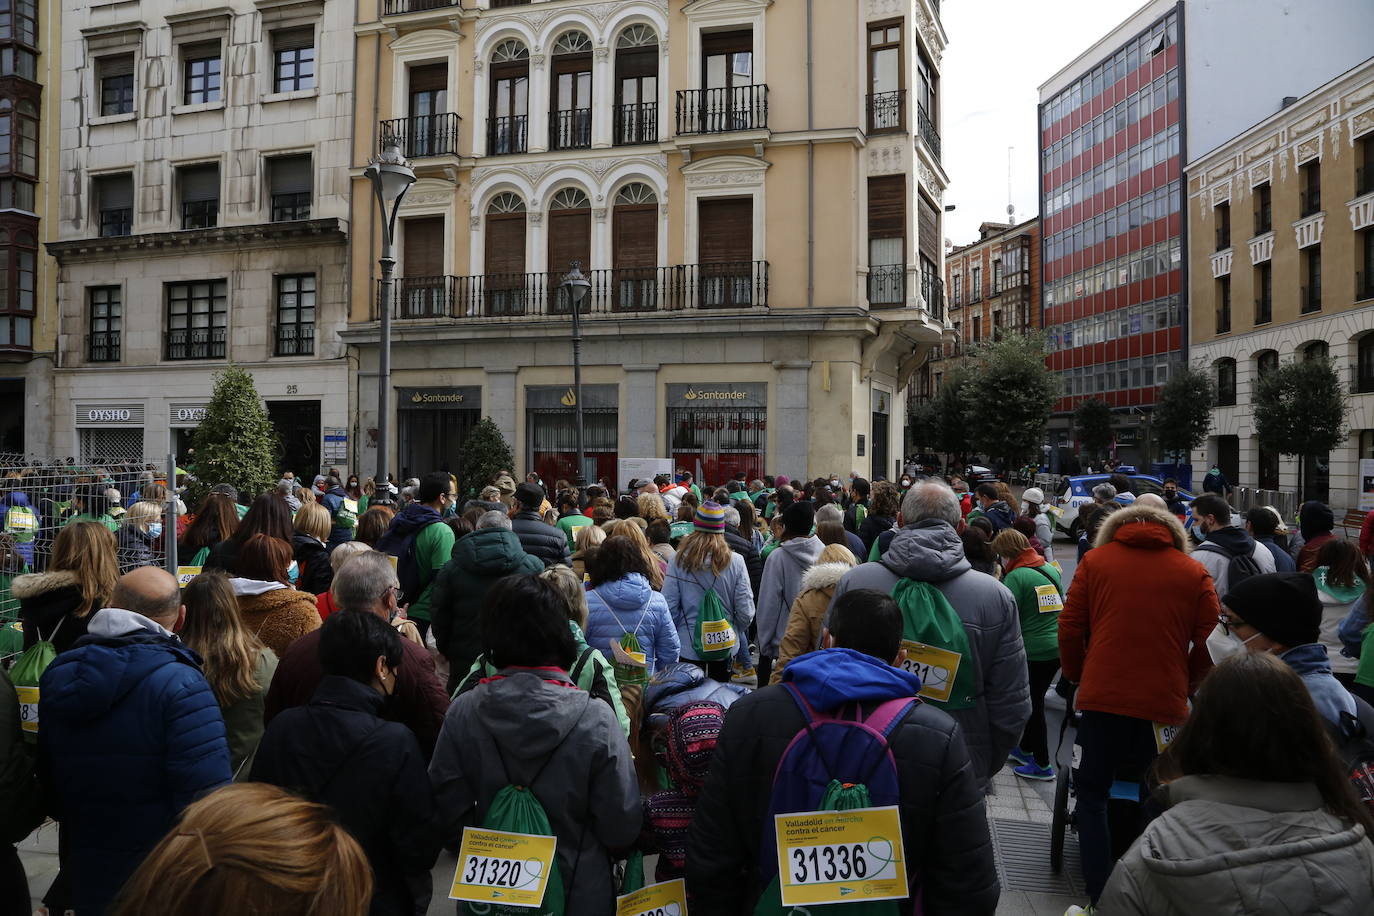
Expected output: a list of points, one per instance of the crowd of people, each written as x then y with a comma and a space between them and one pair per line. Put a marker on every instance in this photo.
357, 678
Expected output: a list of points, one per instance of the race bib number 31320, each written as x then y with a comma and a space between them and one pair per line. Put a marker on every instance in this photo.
506, 868
840, 856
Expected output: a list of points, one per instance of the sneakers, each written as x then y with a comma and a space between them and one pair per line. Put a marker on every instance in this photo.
1077, 910
1021, 757
1033, 770
739, 674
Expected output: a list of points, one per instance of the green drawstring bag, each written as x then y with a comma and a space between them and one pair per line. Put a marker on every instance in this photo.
201, 556
634, 874
630, 667
516, 810
713, 638
26, 674
937, 646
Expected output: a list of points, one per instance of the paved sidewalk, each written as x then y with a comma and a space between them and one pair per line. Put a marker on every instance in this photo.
1019, 814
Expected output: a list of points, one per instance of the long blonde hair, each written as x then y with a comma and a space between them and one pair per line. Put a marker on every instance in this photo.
87, 550
569, 585
627, 529
703, 550
252, 848
215, 630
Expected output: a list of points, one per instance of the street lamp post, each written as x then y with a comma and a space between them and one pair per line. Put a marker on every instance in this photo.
391, 178
577, 286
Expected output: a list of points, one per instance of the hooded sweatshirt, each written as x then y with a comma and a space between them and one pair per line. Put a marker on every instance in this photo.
931, 551
532, 728
1313, 665
1337, 602
422, 544
1315, 523
782, 582
126, 707
629, 605
1241, 846
1221, 545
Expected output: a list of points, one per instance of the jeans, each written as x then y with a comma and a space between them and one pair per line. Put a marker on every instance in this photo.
1033, 739
1113, 748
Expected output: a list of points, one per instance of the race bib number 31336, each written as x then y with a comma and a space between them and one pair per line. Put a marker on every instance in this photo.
840, 856
506, 868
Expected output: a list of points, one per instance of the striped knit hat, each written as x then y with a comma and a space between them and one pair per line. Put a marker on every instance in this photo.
710, 517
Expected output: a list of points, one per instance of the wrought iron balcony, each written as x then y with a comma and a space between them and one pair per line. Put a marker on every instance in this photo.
887, 286
933, 291
102, 347
295, 340
507, 135
886, 111
636, 123
570, 129
395, 7
423, 135
195, 343
929, 135
719, 111
614, 292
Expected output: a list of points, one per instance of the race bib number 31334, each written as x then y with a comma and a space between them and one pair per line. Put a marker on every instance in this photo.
840, 856
506, 868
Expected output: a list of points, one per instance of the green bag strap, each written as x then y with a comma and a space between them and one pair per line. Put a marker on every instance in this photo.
1057, 587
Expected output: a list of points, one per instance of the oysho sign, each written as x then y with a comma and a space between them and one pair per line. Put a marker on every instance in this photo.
186, 414
89, 414
109, 414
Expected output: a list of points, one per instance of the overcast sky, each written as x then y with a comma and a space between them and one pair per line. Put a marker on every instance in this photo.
999, 53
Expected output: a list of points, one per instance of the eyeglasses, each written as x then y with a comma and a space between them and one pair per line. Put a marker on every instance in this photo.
396, 592
1228, 624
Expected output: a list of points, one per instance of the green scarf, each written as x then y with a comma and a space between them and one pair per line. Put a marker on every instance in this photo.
1342, 593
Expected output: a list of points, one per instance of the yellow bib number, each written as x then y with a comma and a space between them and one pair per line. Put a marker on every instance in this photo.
28, 709
666, 899
1047, 597
934, 666
1164, 735
186, 573
506, 868
840, 856
717, 634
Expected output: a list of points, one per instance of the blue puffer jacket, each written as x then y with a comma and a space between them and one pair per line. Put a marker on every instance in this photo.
333, 500
129, 735
629, 605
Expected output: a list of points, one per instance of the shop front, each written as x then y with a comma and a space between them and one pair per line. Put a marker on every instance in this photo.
551, 431
183, 417
879, 436
109, 431
433, 425
720, 429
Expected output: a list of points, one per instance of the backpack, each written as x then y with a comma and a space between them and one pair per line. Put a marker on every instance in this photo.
834, 763
407, 567
1241, 567
713, 638
347, 514
597, 688
937, 645
26, 675
1001, 517
21, 523
1355, 748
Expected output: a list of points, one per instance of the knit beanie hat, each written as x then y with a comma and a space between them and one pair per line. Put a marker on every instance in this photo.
799, 518
710, 517
1282, 606
692, 733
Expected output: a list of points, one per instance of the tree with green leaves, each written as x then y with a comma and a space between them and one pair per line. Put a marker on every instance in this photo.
1008, 398
923, 418
1183, 415
950, 413
1299, 410
236, 442
1092, 423
485, 451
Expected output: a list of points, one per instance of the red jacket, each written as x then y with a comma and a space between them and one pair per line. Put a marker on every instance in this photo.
1367, 535
1135, 605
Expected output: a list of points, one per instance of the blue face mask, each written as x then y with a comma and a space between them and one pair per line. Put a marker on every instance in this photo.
155, 530
292, 572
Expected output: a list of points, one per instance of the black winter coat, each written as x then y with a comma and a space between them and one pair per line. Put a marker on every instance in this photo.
21, 800
944, 827
135, 548
313, 572
45, 599
873, 526
338, 751
225, 556
752, 561
541, 540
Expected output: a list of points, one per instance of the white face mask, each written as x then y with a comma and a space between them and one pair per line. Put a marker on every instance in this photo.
1222, 645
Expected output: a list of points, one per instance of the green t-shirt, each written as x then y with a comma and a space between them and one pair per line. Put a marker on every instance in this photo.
433, 548
1365, 673
570, 524
1039, 631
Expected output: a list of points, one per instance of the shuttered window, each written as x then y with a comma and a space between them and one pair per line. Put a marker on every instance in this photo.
887, 207
726, 230
424, 246
505, 243
928, 227
200, 182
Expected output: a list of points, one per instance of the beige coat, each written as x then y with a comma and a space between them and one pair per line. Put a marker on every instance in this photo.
804, 620
279, 617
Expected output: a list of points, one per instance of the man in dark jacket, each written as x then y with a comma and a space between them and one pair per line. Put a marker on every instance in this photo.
538, 537
366, 584
479, 559
944, 827
421, 543
857, 509
343, 512
338, 751
991, 507
130, 735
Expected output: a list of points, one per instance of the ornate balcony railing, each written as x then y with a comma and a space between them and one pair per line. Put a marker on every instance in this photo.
395, 7
886, 111
929, 135
570, 129
719, 111
507, 135
102, 347
887, 286
423, 135
636, 123
195, 343
614, 291
933, 291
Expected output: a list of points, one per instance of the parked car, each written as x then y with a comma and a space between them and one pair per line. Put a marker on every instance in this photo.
1077, 491
977, 474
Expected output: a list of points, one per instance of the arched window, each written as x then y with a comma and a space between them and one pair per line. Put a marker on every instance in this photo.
1266, 361
504, 284
636, 86
508, 107
1364, 364
570, 106
1226, 383
570, 239
634, 244
1317, 349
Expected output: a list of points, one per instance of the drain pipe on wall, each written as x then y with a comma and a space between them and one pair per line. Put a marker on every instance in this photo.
810, 170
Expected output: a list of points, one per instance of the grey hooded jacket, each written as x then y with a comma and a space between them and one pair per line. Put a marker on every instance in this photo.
522, 729
782, 583
931, 551
1244, 847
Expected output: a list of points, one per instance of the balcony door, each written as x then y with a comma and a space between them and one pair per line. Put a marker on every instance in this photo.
510, 93
885, 80
725, 247
504, 283
570, 114
570, 239
887, 240
428, 103
636, 86
634, 242
728, 71
421, 289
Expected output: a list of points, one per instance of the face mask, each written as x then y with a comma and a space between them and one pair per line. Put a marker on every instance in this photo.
155, 530
292, 572
834, 484
1222, 645
905, 482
